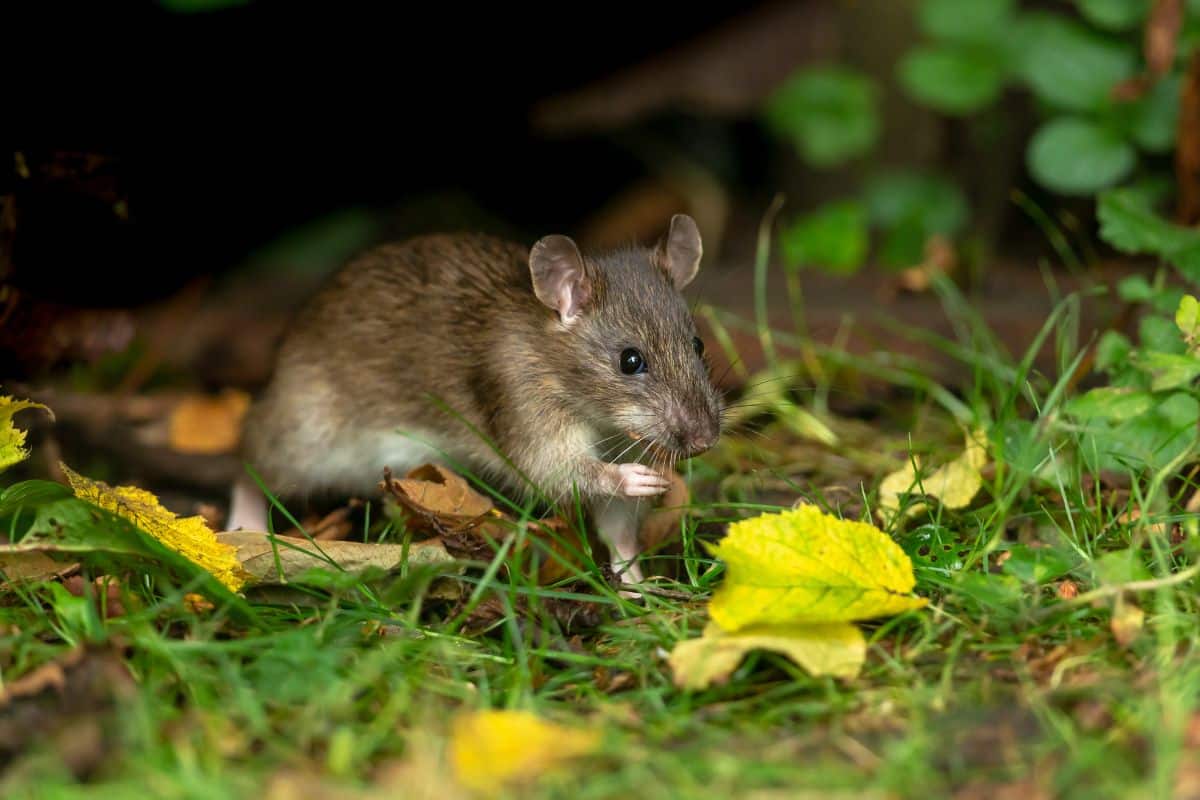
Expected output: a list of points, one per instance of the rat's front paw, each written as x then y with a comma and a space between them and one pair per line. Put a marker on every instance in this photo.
638, 480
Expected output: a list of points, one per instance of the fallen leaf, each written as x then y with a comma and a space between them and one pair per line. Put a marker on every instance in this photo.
188, 536
805, 566
835, 648
208, 425
489, 749
471, 527
440, 497
954, 485
256, 552
1127, 621
32, 566
12, 439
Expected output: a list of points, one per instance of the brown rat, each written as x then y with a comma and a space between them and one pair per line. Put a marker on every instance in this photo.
541, 365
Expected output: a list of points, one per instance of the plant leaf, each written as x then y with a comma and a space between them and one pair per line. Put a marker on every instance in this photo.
12, 439
829, 113
952, 79
1113, 403
958, 21
1156, 116
189, 536
937, 203
804, 566
1077, 156
834, 238
1129, 223
1069, 66
1113, 15
1187, 319
835, 648
491, 748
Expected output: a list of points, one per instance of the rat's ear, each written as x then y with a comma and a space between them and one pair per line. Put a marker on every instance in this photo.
559, 278
680, 250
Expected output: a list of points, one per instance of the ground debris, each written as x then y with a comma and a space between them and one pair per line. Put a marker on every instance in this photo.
63, 704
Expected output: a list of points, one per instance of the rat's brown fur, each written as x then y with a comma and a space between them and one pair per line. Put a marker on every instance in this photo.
443, 337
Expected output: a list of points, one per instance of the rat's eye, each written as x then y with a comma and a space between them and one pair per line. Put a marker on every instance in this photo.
632, 362
698, 346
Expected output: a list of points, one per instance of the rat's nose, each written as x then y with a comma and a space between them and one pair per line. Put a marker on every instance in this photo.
700, 441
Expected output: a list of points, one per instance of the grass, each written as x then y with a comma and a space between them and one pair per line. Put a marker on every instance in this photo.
1006, 681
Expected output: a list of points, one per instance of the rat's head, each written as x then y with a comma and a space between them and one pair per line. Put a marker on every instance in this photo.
632, 350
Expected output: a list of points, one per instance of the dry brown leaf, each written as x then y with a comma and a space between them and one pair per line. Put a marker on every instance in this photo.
208, 425
257, 554
32, 566
472, 527
440, 497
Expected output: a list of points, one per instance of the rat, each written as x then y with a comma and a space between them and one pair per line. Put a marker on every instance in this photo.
551, 373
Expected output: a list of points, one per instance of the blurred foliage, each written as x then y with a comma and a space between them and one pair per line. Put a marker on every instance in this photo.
829, 113
1106, 114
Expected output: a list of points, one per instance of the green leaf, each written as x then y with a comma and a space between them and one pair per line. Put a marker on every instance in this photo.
1113, 15
1157, 333
1112, 351
1069, 66
1168, 370
1187, 319
964, 20
833, 238
1135, 289
937, 203
1036, 565
1145, 442
904, 244
1110, 403
1129, 223
936, 548
1156, 116
1120, 566
828, 113
1076, 156
952, 79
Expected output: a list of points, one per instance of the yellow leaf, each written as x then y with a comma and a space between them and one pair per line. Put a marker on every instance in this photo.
804, 566
208, 425
490, 748
12, 439
189, 536
1127, 621
835, 648
954, 485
